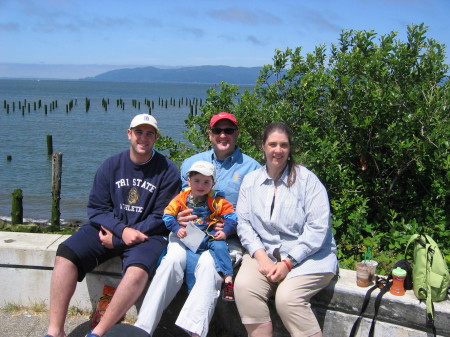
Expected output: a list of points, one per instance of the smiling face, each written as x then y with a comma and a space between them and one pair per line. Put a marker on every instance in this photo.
224, 144
276, 150
200, 184
142, 138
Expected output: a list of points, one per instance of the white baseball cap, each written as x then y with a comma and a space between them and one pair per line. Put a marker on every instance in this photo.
203, 167
144, 119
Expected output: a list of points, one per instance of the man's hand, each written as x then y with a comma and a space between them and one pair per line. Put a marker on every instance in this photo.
132, 236
220, 235
185, 216
106, 238
182, 233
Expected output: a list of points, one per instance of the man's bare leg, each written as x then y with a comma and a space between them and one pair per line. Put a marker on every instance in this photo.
126, 294
63, 284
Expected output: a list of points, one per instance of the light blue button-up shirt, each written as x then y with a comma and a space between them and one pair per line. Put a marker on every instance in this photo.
299, 225
229, 172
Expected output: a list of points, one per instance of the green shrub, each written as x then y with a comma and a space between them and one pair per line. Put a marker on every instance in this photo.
371, 119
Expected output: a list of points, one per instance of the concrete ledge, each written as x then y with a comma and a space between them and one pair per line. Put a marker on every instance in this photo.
26, 262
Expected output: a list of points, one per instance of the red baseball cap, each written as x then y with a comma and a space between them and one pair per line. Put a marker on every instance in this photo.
222, 115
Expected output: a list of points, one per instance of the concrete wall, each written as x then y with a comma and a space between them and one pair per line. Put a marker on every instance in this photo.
26, 262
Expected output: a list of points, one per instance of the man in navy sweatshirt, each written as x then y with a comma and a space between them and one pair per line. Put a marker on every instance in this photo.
125, 209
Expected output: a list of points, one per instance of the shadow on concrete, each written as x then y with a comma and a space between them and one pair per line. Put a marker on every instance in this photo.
321, 302
81, 330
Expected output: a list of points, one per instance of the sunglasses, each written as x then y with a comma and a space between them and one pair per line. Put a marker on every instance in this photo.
218, 131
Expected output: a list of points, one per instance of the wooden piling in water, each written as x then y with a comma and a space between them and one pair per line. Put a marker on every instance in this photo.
17, 207
49, 145
56, 191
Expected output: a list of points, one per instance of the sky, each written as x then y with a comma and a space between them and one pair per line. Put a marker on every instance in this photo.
77, 38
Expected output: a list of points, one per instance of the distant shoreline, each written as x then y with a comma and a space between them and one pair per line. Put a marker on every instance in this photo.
206, 74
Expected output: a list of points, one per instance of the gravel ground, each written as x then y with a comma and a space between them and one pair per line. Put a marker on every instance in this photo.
30, 324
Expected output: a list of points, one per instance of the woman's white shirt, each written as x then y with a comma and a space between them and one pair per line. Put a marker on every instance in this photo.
299, 224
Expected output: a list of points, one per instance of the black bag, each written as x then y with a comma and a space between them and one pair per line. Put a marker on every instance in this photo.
405, 265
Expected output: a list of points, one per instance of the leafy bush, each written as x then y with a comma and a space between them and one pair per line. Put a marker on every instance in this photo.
371, 120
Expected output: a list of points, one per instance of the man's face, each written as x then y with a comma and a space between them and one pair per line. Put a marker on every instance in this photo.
224, 144
142, 138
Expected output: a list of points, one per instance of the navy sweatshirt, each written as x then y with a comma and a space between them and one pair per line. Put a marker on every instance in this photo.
125, 194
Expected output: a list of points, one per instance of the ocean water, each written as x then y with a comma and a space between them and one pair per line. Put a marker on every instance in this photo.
86, 139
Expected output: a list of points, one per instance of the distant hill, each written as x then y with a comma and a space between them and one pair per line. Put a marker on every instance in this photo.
200, 74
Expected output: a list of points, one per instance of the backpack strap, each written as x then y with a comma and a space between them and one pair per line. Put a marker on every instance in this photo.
363, 308
429, 302
413, 238
383, 291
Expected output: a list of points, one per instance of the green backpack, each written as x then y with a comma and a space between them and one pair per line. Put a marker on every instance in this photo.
429, 272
